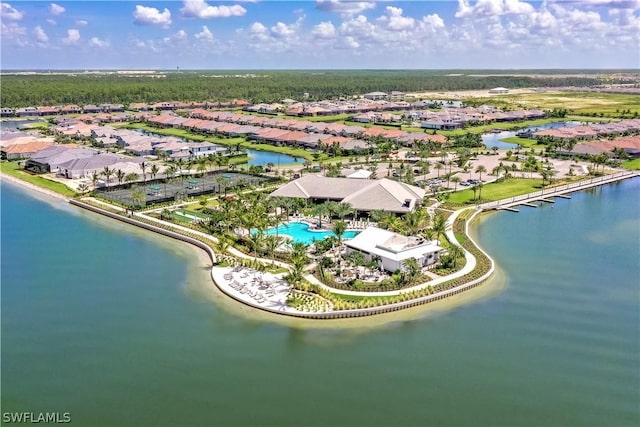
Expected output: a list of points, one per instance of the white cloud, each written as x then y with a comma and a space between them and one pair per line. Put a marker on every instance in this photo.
10, 13
324, 30
82, 22
73, 36
200, 9
96, 42
488, 8
15, 34
52, 21
283, 30
56, 9
346, 7
151, 16
395, 21
41, 36
205, 34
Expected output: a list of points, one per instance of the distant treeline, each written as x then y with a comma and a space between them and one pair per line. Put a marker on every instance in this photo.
270, 86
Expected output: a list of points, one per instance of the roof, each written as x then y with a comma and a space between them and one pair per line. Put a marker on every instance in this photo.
30, 147
390, 245
361, 194
360, 174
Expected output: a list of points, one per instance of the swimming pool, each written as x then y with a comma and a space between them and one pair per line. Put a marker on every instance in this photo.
299, 232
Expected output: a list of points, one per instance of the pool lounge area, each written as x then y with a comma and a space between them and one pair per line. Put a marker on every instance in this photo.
301, 232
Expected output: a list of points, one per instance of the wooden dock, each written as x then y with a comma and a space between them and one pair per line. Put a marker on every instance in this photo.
547, 195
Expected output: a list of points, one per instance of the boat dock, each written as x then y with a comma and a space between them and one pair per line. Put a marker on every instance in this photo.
547, 195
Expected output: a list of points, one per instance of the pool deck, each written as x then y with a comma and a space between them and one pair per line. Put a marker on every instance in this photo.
263, 290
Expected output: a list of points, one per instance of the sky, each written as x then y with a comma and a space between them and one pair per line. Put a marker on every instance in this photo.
320, 34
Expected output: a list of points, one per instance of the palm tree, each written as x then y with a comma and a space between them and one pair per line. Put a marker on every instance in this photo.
480, 170
107, 174
154, 171
439, 167
120, 175
339, 227
456, 180
410, 271
255, 241
439, 225
94, 178
271, 243
414, 221
83, 188
320, 210
138, 197
342, 209
143, 167
455, 252
131, 177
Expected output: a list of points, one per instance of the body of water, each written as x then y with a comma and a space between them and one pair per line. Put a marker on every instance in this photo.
262, 158
491, 140
300, 232
120, 327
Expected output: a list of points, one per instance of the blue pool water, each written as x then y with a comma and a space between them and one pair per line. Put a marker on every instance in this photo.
299, 232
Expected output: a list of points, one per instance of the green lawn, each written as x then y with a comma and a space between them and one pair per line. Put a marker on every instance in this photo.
496, 191
12, 168
524, 142
632, 164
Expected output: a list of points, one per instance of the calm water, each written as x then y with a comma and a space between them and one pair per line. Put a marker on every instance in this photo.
261, 158
114, 325
491, 140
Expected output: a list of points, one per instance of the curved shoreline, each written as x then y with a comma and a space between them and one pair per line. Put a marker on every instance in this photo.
337, 314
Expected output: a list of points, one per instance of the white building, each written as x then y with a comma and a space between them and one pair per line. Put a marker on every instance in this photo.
393, 249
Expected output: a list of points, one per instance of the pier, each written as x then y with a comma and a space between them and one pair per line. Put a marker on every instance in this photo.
547, 195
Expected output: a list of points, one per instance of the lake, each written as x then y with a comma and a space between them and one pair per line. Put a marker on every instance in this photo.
491, 140
119, 326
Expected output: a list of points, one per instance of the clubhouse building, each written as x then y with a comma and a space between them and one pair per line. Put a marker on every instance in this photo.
364, 195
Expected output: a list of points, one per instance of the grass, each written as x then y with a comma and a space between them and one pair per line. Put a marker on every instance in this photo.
497, 191
579, 103
524, 142
632, 164
505, 125
13, 169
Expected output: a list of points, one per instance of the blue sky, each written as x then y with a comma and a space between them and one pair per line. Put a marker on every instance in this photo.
258, 34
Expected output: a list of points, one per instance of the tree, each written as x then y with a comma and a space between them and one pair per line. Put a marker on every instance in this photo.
138, 197
480, 170
120, 175
339, 227
271, 243
439, 167
143, 168
131, 177
456, 180
83, 188
439, 225
154, 171
320, 210
410, 270
94, 178
341, 209
107, 174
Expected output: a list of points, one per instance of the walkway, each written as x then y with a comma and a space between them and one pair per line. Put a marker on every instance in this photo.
556, 191
468, 267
